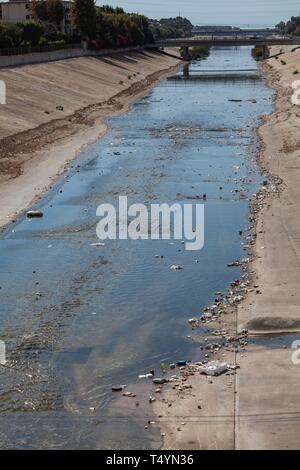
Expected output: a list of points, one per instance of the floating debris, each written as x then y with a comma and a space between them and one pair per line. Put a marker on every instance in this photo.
234, 264
32, 214
176, 267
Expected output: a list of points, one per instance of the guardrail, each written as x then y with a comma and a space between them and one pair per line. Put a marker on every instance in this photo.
188, 42
38, 55
11, 51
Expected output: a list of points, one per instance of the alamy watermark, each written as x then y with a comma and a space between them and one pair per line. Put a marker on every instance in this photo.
2, 353
296, 94
2, 92
296, 353
159, 221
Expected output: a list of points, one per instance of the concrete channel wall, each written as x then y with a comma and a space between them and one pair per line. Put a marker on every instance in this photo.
50, 56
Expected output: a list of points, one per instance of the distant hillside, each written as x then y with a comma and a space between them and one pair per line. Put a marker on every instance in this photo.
171, 27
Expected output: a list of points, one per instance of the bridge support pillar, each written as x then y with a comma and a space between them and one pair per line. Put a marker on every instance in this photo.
186, 71
265, 52
186, 53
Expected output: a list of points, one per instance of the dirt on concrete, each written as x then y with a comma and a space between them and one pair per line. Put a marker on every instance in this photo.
54, 109
259, 407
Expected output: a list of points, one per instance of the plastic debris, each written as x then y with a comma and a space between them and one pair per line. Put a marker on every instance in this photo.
181, 363
214, 368
32, 214
234, 264
129, 394
146, 376
159, 381
176, 267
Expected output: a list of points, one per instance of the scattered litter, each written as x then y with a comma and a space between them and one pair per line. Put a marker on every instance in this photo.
31, 214
176, 267
214, 368
159, 381
181, 363
146, 376
129, 394
234, 264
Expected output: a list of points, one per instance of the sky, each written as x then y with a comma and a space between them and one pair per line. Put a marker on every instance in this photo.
216, 12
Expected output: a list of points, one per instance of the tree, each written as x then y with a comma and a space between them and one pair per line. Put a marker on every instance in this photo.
137, 36
10, 35
171, 27
84, 17
31, 31
142, 23
55, 10
281, 26
49, 11
39, 8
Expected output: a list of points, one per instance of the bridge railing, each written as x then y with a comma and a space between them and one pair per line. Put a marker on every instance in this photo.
211, 40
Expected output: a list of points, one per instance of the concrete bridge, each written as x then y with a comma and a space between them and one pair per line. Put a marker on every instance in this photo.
233, 32
237, 40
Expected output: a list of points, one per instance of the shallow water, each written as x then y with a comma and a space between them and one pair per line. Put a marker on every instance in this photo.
108, 314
